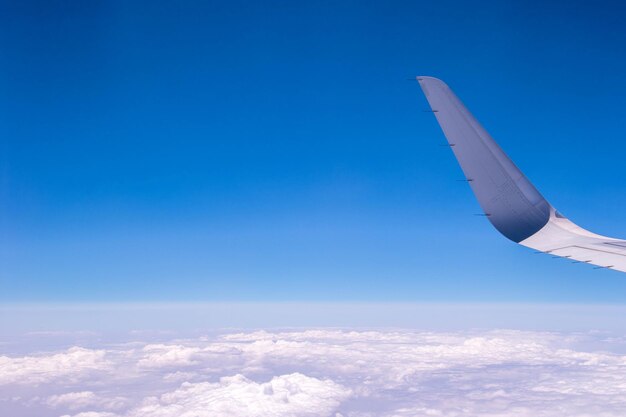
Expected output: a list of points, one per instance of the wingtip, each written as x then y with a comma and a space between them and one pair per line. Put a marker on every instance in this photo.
428, 79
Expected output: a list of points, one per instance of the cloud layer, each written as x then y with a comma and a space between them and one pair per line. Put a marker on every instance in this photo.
325, 373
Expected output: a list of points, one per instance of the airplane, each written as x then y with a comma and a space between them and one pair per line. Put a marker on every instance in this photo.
508, 199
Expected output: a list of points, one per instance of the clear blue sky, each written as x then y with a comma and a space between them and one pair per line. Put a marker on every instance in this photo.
273, 151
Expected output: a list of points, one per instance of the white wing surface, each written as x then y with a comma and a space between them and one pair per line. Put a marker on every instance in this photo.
511, 203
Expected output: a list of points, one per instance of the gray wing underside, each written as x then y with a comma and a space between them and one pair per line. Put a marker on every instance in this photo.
509, 200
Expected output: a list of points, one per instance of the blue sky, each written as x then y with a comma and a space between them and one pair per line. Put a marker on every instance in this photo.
275, 151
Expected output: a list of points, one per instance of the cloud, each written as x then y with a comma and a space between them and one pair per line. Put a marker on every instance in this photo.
161, 355
72, 364
286, 395
83, 399
92, 414
332, 372
72, 399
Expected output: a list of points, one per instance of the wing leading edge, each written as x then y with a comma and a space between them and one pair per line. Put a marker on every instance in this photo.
509, 200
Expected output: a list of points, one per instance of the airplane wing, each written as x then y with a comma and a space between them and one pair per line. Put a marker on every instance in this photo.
509, 200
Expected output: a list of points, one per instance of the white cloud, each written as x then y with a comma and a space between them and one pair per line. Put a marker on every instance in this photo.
71, 364
83, 399
92, 414
179, 376
286, 395
161, 355
333, 372
72, 400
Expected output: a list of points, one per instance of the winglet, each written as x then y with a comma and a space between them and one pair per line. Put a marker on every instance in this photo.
514, 205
